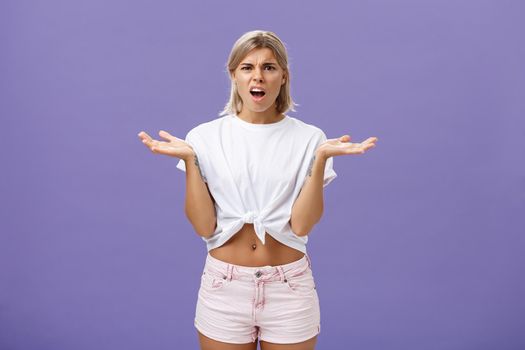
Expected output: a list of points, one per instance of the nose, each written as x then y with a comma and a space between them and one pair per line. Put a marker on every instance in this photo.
257, 75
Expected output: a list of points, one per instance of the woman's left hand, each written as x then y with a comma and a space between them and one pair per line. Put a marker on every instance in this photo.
342, 145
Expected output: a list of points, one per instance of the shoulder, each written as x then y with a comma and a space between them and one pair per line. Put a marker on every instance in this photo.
207, 128
306, 129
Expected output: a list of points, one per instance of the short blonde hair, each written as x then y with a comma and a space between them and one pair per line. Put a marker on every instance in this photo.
247, 42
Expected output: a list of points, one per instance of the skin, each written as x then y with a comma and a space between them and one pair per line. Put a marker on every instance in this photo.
260, 68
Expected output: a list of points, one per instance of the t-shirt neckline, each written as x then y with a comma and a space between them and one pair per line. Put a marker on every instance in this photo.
260, 126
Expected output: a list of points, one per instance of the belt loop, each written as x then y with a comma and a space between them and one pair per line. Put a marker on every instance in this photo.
229, 272
281, 272
309, 261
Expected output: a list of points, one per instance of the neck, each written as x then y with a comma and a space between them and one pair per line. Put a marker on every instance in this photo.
268, 116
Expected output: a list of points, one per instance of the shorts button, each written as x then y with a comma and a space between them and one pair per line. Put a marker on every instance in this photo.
258, 274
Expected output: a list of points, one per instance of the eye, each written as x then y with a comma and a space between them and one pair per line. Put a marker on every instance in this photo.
248, 67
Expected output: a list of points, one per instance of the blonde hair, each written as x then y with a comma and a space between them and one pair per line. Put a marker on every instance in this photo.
247, 42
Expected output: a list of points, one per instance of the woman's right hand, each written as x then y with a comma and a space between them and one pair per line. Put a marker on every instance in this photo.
174, 146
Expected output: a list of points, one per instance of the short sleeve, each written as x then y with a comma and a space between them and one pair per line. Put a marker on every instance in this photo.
193, 140
329, 173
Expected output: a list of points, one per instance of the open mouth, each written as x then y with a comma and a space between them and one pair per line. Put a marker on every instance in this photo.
257, 93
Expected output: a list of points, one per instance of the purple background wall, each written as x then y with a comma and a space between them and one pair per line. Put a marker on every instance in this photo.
421, 245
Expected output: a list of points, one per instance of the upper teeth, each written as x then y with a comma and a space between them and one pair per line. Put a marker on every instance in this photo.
255, 89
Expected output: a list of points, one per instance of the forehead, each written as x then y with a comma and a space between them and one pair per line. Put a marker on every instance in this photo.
260, 54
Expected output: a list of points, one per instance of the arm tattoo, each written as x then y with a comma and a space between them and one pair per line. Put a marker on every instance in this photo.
311, 166
196, 162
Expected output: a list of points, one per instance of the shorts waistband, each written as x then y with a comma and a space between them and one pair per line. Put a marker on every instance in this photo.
264, 273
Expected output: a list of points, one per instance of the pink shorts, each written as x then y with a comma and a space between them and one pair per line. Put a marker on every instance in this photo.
238, 304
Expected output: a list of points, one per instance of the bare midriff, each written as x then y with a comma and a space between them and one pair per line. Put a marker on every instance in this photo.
246, 249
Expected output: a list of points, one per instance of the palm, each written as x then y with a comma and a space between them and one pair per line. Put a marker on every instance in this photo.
342, 145
173, 146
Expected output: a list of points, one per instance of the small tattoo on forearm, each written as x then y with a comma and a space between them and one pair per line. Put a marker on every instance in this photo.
311, 166
196, 162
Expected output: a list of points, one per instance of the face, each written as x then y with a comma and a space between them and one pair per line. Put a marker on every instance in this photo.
259, 69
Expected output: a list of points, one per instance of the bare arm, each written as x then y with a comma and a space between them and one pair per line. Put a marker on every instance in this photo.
308, 207
199, 205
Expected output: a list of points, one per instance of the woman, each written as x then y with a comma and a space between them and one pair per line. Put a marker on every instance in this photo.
254, 190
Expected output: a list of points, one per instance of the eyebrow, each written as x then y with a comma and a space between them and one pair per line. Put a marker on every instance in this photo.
249, 64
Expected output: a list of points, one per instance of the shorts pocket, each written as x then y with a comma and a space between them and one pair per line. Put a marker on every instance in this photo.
213, 281
302, 284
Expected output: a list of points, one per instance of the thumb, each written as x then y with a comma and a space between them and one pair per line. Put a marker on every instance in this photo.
167, 135
344, 138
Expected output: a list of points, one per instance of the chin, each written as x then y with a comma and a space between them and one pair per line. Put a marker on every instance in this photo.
256, 108
259, 110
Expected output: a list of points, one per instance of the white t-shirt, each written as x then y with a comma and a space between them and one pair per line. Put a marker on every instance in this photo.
255, 172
